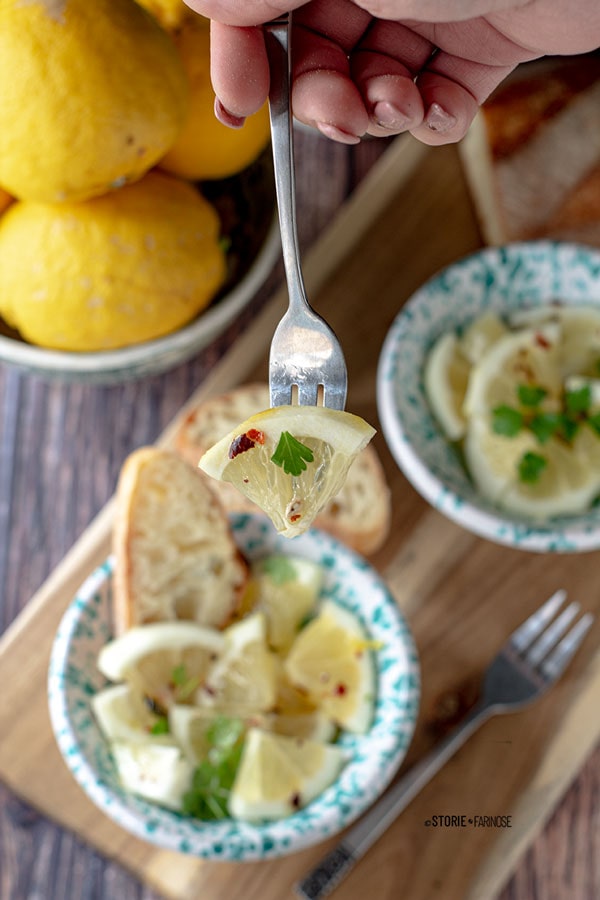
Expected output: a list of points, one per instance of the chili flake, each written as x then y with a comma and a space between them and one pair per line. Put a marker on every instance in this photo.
245, 442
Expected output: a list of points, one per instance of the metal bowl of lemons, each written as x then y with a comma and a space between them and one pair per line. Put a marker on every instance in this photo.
254, 741
488, 389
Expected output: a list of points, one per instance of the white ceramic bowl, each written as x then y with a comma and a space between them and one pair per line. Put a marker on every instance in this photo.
503, 280
150, 357
373, 758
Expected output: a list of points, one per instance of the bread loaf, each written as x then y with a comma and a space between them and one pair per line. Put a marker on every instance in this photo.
175, 557
532, 155
359, 515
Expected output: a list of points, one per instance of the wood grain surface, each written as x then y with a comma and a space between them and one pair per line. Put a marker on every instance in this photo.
61, 449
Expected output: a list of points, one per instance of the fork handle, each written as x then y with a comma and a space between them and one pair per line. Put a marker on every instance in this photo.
277, 42
334, 867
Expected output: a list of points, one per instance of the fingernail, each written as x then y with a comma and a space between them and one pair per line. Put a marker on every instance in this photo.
439, 119
389, 116
227, 118
336, 134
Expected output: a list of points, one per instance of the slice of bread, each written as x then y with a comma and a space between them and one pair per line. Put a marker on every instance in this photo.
175, 557
359, 515
532, 155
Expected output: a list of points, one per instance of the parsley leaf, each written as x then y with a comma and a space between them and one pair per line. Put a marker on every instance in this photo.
161, 726
530, 394
213, 778
546, 425
184, 684
531, 466
578, 400
291, 455
506, 420
279, 569
594, 422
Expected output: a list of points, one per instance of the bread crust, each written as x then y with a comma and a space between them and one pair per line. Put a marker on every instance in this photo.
359, 516
532, 154
175, 557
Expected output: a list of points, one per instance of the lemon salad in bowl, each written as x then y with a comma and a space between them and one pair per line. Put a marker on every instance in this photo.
241, 735
489, 394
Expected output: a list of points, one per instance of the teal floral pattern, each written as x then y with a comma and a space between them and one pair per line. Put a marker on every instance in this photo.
373, 758
502, 280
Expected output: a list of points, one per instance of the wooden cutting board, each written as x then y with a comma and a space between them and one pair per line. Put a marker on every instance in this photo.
461, 595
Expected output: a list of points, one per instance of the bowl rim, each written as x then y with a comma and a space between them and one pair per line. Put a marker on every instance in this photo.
260, 840
188, 339
565, 535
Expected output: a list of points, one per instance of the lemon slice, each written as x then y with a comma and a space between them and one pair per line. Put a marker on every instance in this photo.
315, 446
188, 726
296, 715
528, 357
580, 338
164, 661
568, 483
244, 677
446, 378
479, 336
331, 660
156, 772
123, 716
278, 775
287, 589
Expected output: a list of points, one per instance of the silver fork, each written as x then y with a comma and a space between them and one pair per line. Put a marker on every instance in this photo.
306, 363
530, 661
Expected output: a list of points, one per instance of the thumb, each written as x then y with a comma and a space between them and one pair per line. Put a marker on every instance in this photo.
243, 12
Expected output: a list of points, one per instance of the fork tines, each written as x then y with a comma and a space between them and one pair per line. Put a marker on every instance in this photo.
540, 635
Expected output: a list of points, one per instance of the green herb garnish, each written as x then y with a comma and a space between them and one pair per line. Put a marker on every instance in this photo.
546, 425
530, 394
531, 466
213, 779
161, 726
506, 421
279, 569
292, 455
509, 421
578, 400
594, 422
184, 684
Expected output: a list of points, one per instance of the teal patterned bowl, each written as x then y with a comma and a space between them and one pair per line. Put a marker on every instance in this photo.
373, 758
502, 280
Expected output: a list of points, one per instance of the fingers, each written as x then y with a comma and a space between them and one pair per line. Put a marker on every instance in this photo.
242, 12
239, 71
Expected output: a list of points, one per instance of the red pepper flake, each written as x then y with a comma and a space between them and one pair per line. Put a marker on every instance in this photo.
255, 435
340, 690
542, 341
240, 444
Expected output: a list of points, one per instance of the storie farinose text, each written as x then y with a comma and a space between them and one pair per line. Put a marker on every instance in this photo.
466, 821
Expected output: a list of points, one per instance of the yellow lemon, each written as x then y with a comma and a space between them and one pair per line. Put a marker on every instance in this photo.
170, 13
5, 200
206, 149
116, 270
91, 96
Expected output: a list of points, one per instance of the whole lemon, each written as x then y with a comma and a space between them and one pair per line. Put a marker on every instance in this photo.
170, 13
5, 200
91, 96
206, 149
127, 267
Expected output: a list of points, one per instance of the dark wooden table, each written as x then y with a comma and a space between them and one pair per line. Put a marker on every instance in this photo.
61, 447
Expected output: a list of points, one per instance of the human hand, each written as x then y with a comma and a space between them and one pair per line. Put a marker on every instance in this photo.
381, 67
